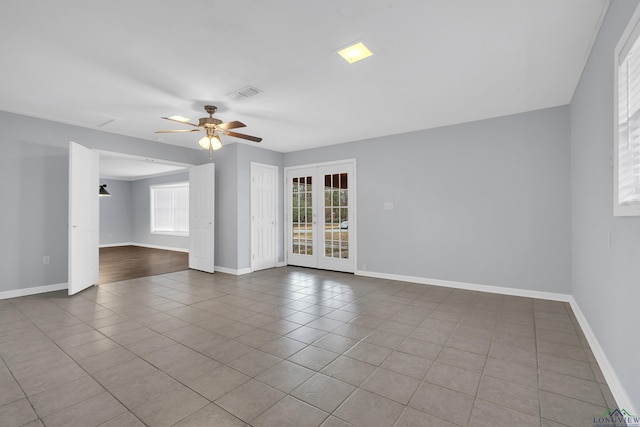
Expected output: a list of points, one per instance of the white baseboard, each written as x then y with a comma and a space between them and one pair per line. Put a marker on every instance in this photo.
280, 264
468, 286
114, 245
613, 381
145, 245
233, 271
15, 293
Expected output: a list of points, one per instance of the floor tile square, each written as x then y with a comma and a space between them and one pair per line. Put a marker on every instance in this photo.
486, 414
170, 407
447, 404
144, 388
453, 378
313, 357
349, 370
17, 413
217, 382
90, 412
365, 409
369, 353
462, 359
249, 400
285, 376
336, 343
63, 396
574, 387
290, 412
254, 362
568, 411
413, 418
515, 396
391, 385
323, 392
211, 415
407, 364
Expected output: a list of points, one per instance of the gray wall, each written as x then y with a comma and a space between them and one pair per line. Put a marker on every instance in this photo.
34, 181
485, 202
605, 279
116, 224
34, 172
141, 212
226, 206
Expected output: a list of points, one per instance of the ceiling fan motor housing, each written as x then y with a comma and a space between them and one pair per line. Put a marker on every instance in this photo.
208, 122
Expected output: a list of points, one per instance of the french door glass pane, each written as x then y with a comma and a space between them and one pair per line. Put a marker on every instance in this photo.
302, 216
336, 216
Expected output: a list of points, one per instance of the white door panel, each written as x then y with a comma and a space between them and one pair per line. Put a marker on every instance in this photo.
336, 240
302, 242
201, 217
264, 212
84, 223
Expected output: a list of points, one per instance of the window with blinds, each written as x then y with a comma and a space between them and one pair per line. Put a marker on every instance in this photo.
170, 209
627, 141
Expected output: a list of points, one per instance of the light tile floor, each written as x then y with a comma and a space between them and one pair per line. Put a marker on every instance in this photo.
293, 347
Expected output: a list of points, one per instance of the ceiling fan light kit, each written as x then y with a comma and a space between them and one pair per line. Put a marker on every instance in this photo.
212, 127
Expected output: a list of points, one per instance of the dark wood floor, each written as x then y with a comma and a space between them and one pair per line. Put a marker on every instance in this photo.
130, 262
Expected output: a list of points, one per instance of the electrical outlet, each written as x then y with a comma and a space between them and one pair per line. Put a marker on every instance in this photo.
46, 259
388, 206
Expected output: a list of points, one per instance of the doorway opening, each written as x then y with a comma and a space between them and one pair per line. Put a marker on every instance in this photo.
130, 246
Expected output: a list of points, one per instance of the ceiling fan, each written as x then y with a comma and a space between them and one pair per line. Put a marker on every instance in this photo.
212, 127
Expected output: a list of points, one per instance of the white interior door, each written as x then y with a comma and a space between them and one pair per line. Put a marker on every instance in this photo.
84, 223
264, 212
201, 217
321, 216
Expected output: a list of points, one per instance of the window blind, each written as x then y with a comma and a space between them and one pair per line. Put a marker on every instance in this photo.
170, 209
629, 127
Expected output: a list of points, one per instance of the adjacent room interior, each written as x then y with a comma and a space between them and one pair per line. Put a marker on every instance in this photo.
442, 228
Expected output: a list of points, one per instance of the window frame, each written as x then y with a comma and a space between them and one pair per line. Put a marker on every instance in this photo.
181, 184
629, 38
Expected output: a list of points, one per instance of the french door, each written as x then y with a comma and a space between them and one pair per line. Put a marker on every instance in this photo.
321, 216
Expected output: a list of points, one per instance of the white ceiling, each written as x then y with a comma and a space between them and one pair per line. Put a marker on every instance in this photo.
130, 168
436, 62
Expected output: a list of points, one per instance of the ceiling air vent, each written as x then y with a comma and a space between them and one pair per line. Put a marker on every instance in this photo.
245, 92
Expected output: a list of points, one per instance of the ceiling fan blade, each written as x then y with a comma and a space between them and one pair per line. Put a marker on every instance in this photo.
178, 131
243, 136
231, 125
180, 121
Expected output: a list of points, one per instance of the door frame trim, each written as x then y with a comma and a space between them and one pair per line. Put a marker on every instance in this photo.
354, 208
277, 205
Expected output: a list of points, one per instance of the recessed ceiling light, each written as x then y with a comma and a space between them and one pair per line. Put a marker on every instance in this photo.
179, 119
355, 52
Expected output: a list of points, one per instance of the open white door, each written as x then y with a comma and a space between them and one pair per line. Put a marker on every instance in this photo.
84, 224
201, 221
264, 212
